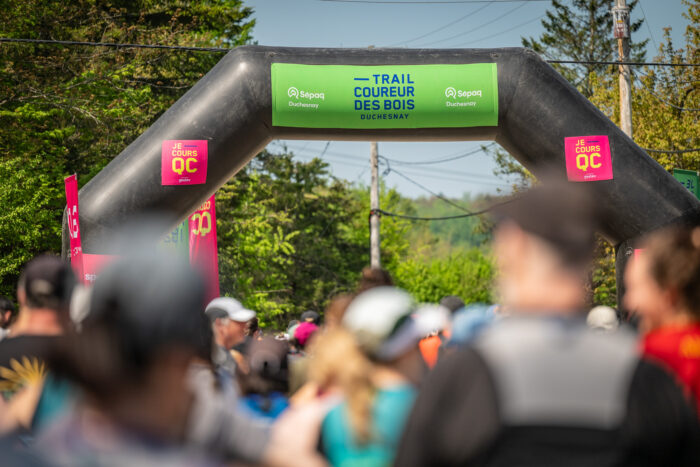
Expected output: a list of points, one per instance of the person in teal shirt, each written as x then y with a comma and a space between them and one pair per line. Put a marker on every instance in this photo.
372, 361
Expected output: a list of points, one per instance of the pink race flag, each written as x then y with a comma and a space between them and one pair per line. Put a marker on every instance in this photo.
203, 253
76, 249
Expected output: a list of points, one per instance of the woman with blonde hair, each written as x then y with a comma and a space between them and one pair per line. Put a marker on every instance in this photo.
372, 360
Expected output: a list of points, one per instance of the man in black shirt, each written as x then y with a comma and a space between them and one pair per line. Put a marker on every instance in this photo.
538, 388
43, 293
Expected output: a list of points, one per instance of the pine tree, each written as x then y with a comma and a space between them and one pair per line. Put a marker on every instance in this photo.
582, 31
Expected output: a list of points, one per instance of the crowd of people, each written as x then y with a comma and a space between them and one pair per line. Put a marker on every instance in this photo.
140, 371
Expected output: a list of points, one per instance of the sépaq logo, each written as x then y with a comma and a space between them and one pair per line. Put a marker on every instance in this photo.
296, 93
453, 93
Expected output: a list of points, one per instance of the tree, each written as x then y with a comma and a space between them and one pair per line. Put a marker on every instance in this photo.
582, 32
70, 110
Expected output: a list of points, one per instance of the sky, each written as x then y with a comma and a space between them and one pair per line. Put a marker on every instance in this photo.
433, 24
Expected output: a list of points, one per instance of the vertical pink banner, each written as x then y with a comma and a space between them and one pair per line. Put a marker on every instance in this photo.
203, 253
588, 158
76, 249
184, 162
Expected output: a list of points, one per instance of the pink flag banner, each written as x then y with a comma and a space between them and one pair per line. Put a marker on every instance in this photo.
203, 253
588, 158
184, 162
76, 249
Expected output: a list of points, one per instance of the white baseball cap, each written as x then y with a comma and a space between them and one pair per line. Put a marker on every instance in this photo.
227, 307
386, 321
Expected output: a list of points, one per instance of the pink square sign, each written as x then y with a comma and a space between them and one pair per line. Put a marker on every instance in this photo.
588, 158
184, 162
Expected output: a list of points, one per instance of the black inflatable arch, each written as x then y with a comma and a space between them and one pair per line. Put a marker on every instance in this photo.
231, 108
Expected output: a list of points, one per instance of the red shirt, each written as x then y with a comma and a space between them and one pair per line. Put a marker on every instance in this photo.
678, 348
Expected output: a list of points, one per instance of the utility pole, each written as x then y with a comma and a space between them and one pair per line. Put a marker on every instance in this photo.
374, 207
621, 31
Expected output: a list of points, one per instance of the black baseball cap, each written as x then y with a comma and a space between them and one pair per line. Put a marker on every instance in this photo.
561, 213
47, 282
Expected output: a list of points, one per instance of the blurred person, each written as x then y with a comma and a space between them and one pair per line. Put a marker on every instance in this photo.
373, 363
430, 346
538, 388
229, 319
8, 314
43, 293
264, 388
303, 334
469, 322
132, 361
663, 289
298, 363
311, 316
335, 310
602, 318
373, 277
143, 362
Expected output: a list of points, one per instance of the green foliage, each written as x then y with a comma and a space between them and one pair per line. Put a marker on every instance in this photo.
466, 273
70, 110
285, 238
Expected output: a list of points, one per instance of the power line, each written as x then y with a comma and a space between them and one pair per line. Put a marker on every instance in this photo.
672, 151
602, 62
664, 101
116, 45
440, 197
651, 34
426, 2
503, 32
444, 218
426, 172
119, 45
512, 10
438, 161
471, 13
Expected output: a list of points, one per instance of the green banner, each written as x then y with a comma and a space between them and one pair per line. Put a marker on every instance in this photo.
391, 96
689, 179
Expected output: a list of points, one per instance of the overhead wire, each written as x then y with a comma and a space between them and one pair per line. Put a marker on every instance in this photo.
426, 2
664, 101
444, 218
502, 32
119, 45
424, 188
439, 161
483, 25
451, 23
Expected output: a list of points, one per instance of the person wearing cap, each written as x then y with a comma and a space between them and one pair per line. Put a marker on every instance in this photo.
372, 361
538, 387
43, 293
228, 318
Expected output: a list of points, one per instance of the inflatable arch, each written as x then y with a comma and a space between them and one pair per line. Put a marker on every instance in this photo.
256, 94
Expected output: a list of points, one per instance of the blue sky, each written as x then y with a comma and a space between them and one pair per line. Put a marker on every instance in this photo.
318, 23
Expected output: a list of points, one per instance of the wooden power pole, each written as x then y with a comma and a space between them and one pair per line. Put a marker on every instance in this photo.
621, 21
374, 207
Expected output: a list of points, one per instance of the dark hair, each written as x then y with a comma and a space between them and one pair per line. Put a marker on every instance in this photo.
374, 277
268, 368
252, 326
674, 256
7, 305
